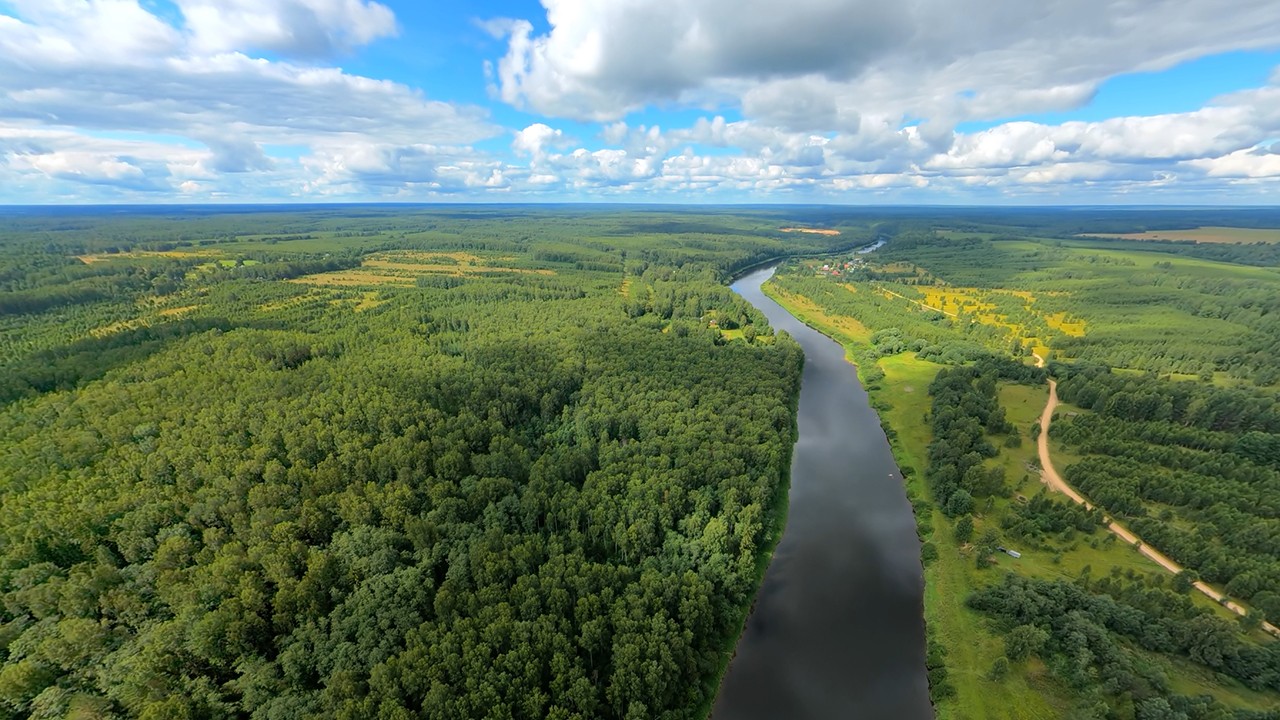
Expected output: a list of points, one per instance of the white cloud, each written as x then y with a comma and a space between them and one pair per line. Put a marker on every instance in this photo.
1240, 164
819, 64
842, 99
304, 28
534, 139
85, 67
87, 168
60, 35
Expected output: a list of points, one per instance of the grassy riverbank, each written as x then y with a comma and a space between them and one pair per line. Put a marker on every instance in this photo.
967, 643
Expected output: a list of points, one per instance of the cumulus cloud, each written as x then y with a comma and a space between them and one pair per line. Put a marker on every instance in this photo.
87, 66
1240, 164
236, 155
817, 64
840, 100
87, 168
401, 171
534, 139
301, 28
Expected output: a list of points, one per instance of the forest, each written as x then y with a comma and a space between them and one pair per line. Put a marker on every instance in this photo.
516, 462
1165, 355
388, 463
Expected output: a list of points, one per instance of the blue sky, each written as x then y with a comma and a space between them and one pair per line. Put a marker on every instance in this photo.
839, 101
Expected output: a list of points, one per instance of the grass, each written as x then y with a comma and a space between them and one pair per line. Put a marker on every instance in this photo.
971, 646
844, 329
176, 311
811, 231
359, 277
107, 257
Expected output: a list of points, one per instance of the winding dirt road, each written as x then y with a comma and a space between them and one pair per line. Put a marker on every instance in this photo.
1049, 476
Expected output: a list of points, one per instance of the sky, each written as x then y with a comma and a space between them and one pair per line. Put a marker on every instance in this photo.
688, 101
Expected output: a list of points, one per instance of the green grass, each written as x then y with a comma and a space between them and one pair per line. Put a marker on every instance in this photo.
844, 330
972, 647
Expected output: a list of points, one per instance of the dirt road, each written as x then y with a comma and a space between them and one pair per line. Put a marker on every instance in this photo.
1049, 475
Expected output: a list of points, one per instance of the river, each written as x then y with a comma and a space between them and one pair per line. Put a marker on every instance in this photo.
838, 627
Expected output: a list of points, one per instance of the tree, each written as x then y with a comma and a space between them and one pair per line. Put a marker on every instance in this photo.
1024, 641
960, 503
1184, 581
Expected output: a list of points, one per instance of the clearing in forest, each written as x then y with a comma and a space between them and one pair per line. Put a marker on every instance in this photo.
405, 267
811, 313
134, 255
811, 231
1207, 234
1065, 325
176, 311
355, 278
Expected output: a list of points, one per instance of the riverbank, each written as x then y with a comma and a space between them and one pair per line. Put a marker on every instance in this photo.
968, 645
837, 629
899, 391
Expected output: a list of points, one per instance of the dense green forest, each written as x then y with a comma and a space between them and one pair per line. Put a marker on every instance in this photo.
384, 464
512, 462
1166, 353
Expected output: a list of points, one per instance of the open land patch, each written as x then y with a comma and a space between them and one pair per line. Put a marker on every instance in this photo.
1202, 235
811, 231
92, 258
405, 267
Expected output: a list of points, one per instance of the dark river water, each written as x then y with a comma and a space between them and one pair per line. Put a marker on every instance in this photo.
838, 627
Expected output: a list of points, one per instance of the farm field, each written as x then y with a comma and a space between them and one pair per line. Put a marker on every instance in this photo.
1205, 235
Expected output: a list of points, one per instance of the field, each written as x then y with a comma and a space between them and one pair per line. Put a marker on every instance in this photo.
838, 326
1128, 308
1203, 235
811, 231
971, 647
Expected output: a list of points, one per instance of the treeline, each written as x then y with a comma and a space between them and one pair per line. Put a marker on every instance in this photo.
69, 281
1086, 631
286, 269
690, 299
91, 358
75, 283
